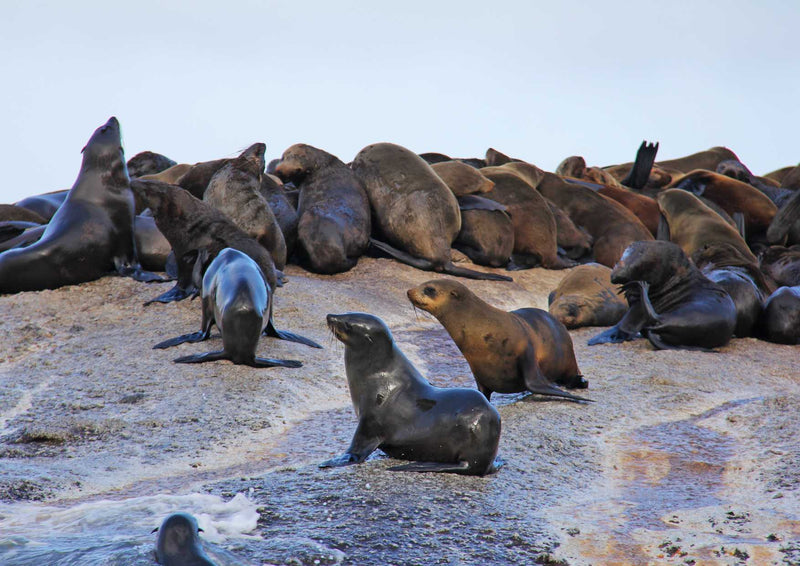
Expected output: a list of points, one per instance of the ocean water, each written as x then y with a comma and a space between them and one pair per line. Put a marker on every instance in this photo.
119, 532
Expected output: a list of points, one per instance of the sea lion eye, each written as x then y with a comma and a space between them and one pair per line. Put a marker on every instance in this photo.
429, 291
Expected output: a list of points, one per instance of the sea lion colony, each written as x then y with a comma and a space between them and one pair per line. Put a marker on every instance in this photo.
728, 263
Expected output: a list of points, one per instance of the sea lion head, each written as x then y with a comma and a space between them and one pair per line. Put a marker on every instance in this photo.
438, 295
177, 536
300, 160
358, 329
573, 311
252, 160
104, 150
654, 262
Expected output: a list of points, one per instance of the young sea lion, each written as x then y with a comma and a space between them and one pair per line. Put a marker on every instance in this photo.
238, 299
445, 430
586, 297
670, 302
333, 212
178, 542
508, 352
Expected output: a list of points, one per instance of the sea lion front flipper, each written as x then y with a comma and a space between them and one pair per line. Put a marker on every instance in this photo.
441, 467
639, 174
535, 380
272, 362
273, 332
649, 311
200, 358
364, 443
192, 337
177, 293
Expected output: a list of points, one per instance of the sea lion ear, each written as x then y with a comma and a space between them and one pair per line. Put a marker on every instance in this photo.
455, 293
154, 531
199, 530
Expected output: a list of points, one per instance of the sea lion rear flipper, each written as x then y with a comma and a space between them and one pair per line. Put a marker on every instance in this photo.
441, 467
200, 358
535, 380
640, 172
177, 293
472, 202
272, 362
273, 332
192, 337
136, 272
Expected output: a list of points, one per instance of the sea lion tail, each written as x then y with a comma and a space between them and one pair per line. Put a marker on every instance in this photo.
640, 172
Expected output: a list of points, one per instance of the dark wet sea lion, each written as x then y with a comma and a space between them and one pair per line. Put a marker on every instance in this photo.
740, 278
670, 302
20, 214
535, 230
691, 224
782, 265
237, 298
462, 179
487, 232
780, 319
413, 209
508, 352
612, 226
178, 542
733, 197
90, 234
442, 429
334, 222
586, 297
235, 190
191, 225
44, 205
273, 191
148, 163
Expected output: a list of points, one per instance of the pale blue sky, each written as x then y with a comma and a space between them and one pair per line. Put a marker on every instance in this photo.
537, 80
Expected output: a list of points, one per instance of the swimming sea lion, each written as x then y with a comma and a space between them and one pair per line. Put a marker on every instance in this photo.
586, 297
413, 209
444, 430
235, 190
148, 163
238, 299
670, 302
508, 352
333, 212
780, 319
90, 234
179, 544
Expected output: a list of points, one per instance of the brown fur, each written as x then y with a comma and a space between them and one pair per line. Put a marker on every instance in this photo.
586, 297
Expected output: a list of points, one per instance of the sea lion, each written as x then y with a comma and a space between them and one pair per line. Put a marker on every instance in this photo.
433, 157
691, 224
644, 207
462, 179
90, 234
171, 175
575, 167
780, 318
413, 209
333, 212
573, 240
612, 226
272, 189
782, 265
178, 542
508, 352
708, 159
495, 158
235, 189
191, 225
733, 197
487, 231
44, 205
196, 179
16, 213
670, 302
237, 298
443, 430
152, 248
586, 297
740, 278
535, 230
785, 226
739, 171
148, 163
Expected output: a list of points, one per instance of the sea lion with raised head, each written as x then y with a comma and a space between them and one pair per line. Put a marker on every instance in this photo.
442, 429
508, 352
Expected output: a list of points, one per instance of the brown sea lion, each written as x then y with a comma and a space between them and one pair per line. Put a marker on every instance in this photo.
487, 232
333, 212
708, 159
148, 163
573, 240
451, 429
171, 175
196, 179
733, 197
413, 209
785, 226
692, 225
462, 179
792, 179
508, 352
644, 207
670, 302
575, 167
20, 214
235, 190
586, 297
494, 158
612, 226
432, 158
90, 234
535, 231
